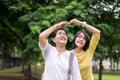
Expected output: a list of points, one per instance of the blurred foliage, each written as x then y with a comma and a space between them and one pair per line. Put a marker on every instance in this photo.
21, 21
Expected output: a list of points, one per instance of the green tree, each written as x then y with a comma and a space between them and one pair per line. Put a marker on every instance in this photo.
16, 33
22, 21
107, 13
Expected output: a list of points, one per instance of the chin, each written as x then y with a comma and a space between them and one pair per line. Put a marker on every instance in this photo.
63, 42
80, 46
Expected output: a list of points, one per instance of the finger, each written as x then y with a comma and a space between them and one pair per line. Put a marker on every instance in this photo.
71, 22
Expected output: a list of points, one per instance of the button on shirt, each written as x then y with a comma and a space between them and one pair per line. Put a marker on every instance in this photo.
56, 65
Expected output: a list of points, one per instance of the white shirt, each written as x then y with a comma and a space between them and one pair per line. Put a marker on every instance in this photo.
56, 66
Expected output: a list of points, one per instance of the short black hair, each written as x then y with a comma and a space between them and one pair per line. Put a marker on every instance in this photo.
87, 38
55, 32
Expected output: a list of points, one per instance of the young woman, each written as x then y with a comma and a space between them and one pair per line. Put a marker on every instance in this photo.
57, 58
84, 47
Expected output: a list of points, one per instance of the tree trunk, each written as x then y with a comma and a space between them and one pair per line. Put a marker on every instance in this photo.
28, 74
111, 55
117, 65
100, 69
29, 71
111, 65
23, 69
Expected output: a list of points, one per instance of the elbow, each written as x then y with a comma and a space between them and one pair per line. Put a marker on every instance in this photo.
99, 31
41, 36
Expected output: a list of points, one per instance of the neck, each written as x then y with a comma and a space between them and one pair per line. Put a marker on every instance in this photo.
78, 50
60, 49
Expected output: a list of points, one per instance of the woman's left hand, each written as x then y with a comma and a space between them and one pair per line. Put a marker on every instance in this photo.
75, 21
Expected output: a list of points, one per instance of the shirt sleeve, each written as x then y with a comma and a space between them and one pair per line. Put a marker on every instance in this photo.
76, 71
93, 43
46, 49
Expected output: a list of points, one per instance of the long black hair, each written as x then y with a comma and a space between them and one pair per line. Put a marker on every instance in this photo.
87, 38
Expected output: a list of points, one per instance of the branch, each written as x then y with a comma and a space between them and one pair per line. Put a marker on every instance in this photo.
4, 24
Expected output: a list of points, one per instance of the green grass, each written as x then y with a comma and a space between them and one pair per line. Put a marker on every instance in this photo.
12, 72
108, 77
38, 70
16, 72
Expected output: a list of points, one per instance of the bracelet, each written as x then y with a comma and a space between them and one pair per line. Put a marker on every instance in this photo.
83, 24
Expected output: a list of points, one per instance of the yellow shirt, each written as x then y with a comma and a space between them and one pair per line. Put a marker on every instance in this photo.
85, 59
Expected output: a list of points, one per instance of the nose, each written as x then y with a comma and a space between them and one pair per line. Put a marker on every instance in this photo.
81, 39
63, 34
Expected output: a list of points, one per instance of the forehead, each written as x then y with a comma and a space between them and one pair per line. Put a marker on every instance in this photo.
59, 31
81, 34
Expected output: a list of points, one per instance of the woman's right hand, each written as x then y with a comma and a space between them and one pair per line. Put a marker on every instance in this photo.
75, 21
62, 24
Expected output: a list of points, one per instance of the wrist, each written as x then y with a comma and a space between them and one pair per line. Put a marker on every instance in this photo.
56, 26
83, 24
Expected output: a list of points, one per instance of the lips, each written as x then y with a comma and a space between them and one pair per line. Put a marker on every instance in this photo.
62, 38
80, 42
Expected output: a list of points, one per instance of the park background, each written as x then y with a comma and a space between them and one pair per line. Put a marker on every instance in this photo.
21, 21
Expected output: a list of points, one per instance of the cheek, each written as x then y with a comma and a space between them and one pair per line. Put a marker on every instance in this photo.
76, 42
57, 37
66, 38
53, 39
84, 42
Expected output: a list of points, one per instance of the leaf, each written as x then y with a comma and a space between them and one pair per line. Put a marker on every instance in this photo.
45, 23
35, 29
70, 36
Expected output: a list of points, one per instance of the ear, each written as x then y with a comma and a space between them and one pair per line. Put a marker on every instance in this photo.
53, 39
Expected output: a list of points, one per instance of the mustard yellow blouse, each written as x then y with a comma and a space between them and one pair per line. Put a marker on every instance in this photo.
85, 59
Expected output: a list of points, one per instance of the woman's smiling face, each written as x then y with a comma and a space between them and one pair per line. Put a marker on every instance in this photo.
61, 37
80, 40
